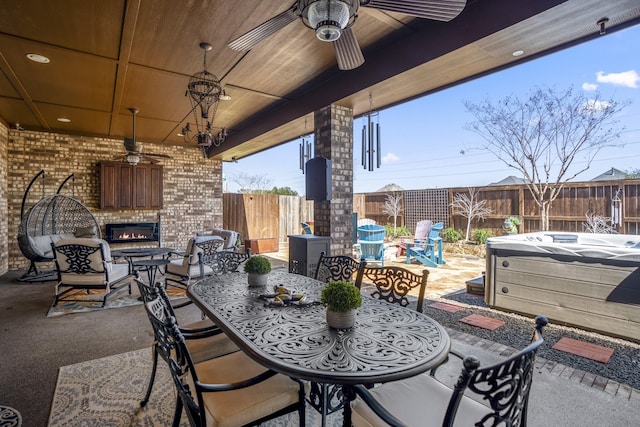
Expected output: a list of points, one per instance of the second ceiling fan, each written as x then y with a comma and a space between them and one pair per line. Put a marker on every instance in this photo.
332, 20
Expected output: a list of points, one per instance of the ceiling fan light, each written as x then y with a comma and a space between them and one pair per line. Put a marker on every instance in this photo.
132, 159
328, 18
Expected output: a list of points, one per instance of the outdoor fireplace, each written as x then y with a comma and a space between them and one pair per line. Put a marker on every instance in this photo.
132, 232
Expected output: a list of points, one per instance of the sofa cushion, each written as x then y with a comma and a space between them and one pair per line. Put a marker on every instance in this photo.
41, 245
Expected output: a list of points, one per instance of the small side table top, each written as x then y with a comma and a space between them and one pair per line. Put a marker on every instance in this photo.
151, 266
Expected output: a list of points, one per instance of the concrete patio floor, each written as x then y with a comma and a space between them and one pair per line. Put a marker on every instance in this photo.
34, 347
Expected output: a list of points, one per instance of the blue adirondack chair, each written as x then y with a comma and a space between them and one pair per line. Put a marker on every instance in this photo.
306, 228
429, 250
371, 243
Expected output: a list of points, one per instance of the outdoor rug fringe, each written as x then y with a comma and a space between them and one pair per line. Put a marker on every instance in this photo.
93, 301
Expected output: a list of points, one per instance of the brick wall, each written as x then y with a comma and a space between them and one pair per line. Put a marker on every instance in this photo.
192, 185
334, 141
4, 221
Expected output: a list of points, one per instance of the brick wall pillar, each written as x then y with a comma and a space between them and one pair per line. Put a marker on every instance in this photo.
334, 141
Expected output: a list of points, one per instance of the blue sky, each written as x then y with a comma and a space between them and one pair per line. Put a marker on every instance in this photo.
422, 140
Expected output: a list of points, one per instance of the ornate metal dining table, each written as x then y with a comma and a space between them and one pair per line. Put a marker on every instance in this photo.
387, 343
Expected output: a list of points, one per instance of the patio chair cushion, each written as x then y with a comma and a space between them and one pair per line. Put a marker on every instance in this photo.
99, 261
230, 237
399, 398
181, 268
239, 407
189, 264
42, 244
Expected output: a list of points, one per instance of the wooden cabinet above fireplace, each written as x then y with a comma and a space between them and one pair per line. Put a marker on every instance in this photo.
123, 186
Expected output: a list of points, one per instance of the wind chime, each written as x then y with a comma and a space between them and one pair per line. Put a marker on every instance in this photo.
371, 139
305, 149
616, 209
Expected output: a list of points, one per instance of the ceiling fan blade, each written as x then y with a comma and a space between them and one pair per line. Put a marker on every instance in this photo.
250, 39
149, 159
438, 10
348, 53
157, 155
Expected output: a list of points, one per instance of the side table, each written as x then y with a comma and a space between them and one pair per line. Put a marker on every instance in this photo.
151, 266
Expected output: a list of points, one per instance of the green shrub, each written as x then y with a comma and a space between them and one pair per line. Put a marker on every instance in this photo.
451, 235
400, 231
341, 296
481, 235
257, 264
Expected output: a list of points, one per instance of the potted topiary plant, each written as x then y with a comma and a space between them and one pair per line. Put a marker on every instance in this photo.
258, 268
341, 298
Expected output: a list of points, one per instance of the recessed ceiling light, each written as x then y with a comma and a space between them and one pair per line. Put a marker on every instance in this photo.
38, 58
518, 53
64, 120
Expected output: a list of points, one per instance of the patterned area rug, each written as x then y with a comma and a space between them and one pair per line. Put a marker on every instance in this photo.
108, 391
9, 417
93, 301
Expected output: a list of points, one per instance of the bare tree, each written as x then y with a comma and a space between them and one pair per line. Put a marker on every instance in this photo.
597, 224
252, 183
542, 135
393, 207
468, 206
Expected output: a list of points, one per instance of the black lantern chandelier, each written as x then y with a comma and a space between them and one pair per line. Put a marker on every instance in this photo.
205, 92
371, 139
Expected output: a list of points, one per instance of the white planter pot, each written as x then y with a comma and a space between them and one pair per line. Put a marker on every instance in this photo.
255, 279
338, 320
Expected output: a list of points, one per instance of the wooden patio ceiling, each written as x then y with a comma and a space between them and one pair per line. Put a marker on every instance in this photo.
108, 56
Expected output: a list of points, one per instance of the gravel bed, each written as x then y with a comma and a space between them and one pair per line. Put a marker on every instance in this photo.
623, 367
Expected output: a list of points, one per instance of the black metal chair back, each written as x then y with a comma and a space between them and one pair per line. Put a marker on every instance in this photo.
504, 386
170, 345
222, 262
339, 267
393, 284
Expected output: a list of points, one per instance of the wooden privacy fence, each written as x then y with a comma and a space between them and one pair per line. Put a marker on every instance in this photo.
258, 216
568, 212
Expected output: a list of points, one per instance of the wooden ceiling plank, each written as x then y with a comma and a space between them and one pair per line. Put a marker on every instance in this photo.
126, 43
431, 40
17, 84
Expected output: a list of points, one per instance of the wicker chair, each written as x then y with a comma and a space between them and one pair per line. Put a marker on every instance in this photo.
51, 219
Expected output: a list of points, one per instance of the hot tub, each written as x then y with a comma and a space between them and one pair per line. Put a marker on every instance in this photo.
587, 280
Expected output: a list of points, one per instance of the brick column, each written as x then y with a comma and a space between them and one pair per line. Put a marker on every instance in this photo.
334, 141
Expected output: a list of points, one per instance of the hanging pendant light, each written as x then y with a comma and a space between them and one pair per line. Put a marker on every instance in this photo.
205, 92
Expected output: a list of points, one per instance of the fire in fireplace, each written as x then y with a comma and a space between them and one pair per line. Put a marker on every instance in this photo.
132, 232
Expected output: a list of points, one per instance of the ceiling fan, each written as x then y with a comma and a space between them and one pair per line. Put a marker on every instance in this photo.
134, 153
332, 20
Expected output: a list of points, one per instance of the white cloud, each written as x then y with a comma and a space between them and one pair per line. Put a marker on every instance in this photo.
626, 78
589, 86
593, 105
389, 158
